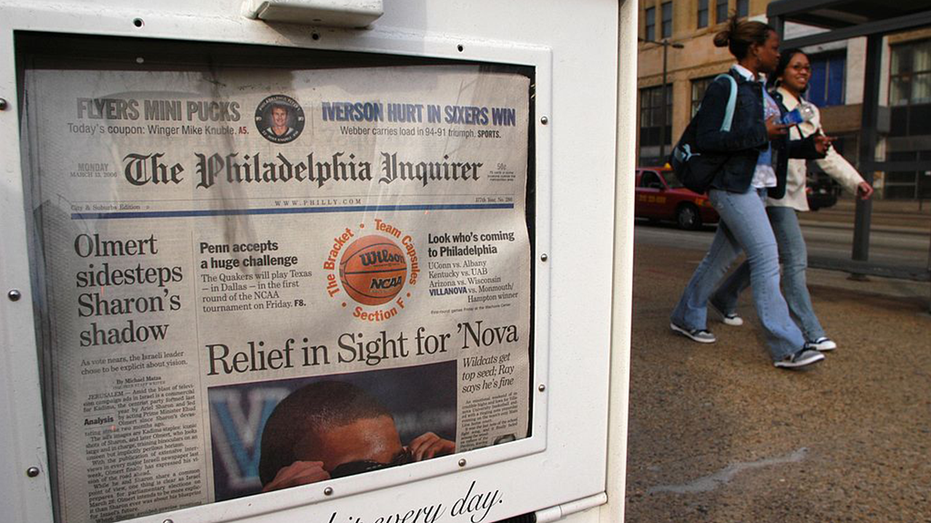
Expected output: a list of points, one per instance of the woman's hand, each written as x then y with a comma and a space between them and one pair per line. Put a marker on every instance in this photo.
864, 191
823, 143
775, 130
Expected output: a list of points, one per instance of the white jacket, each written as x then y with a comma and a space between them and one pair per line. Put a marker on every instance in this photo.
833, 164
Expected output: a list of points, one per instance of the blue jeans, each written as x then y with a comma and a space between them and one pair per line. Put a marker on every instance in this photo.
794, 258
744, 226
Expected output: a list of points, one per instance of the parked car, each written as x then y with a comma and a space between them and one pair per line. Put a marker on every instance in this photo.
660, 196
821, 191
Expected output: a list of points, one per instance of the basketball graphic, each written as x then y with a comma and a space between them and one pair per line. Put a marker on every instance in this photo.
373, 270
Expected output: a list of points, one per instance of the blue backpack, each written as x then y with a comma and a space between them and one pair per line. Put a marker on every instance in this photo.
695, 170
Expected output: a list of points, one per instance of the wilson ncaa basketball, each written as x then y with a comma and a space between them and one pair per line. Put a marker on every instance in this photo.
373, 270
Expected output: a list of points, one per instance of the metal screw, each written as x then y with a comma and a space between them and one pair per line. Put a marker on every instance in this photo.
544, 257
14, 295
32, 472
3, 104
462, 462
168, 521
544, 120
328, 491
541, 388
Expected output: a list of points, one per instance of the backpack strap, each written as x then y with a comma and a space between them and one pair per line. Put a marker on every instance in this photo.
731, 102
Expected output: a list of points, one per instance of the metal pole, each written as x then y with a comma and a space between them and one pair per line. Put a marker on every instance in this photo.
779, 24
929, 269
662, 134
868, 138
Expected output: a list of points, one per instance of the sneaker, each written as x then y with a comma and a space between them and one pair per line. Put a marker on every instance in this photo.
701, 336
822, 344
800, 359
730, 318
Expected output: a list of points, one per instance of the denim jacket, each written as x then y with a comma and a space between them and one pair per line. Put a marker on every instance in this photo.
747, 137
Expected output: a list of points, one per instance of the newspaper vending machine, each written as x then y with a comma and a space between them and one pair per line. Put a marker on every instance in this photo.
342, 261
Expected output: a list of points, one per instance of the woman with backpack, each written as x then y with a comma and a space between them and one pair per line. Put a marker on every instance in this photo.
754, 154
790, 81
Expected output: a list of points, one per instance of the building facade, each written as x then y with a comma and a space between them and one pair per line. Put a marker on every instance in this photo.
692, 61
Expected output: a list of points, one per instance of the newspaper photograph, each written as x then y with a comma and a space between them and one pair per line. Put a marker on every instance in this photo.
255, 279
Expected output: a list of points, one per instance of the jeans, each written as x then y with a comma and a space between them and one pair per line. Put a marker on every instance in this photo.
744, 226
794, 258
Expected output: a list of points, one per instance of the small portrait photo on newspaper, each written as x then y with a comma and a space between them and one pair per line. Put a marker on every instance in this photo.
279, 118
278, 434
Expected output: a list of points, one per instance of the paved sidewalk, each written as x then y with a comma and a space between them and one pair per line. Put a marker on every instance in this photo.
717, 434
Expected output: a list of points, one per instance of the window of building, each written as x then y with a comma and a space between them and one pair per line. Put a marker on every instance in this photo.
702, 13
910, 81
667, 20
910, 108
699, 86
826, 86
910, 89
720, 11
651, 24
651, 115
743, 8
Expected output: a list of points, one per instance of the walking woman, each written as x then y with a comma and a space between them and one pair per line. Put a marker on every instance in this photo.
791, 80
756, 150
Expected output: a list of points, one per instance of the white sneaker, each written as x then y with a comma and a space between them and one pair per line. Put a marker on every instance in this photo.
728, 319
822, 344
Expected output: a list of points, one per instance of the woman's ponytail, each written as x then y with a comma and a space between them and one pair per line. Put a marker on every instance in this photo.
738, 35
723, 38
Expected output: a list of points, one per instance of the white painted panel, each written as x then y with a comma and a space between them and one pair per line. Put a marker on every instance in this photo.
574, 49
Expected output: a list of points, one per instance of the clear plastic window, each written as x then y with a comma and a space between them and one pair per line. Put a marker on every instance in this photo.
259, 268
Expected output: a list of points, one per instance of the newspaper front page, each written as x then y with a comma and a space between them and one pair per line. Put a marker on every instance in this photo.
240, 267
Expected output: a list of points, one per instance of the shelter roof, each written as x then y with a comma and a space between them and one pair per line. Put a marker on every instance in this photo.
837, 14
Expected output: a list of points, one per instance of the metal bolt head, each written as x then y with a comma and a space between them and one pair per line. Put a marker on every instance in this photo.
541, 388
328, 491
32, 472
14, 295
462, 462
168, 521
3, 104
544, 120
544, 257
